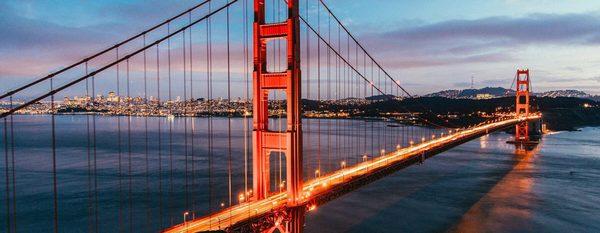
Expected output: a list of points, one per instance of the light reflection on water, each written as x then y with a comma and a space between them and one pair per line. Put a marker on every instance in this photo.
514, 191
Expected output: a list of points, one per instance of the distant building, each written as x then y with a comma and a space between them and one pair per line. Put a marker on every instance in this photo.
112, 97
485, 96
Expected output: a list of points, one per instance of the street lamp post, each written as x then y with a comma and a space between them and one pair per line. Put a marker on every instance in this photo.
185, 214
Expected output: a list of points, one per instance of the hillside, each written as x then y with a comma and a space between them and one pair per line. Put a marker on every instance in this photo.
497, 92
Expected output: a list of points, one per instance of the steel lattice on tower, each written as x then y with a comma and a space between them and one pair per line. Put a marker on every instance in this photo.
522, 105
266, 140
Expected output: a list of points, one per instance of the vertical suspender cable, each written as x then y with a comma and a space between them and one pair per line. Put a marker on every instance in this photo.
94, 153
129, 167
54, 184
6, 176
229, 116
12, 154
366, 151
170, 199
120, 223
319, 90
209, 92
160, 184
192, 120
185, 120
89, 154
246, 93
337, 97
307, 77
329, 93
277, 63
146, 143
372, 103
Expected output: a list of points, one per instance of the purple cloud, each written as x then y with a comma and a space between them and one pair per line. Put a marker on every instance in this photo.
486, 40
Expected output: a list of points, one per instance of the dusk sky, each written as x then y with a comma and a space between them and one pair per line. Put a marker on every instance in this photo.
428, 45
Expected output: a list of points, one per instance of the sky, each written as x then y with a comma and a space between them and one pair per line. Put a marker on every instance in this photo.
427, 45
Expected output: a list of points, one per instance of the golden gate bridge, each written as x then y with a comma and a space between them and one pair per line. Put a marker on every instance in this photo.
287, 97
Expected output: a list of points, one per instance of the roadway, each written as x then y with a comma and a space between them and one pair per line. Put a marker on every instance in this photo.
318, 186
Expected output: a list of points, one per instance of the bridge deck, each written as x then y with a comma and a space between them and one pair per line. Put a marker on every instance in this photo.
323, 186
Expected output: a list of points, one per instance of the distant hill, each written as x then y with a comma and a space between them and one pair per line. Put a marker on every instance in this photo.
487, 92
497, 92
565, 93
381, 97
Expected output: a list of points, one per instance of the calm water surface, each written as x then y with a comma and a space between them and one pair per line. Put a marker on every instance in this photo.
481, 186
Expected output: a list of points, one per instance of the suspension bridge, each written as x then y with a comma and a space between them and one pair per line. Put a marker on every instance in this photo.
234, 116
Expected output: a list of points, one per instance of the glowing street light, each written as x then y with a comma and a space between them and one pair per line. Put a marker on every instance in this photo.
365, 157
343, 164
241, 197
317, 173
185, 214
281, 185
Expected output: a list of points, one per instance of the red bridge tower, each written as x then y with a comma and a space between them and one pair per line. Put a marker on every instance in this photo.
522, 105
266, 141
